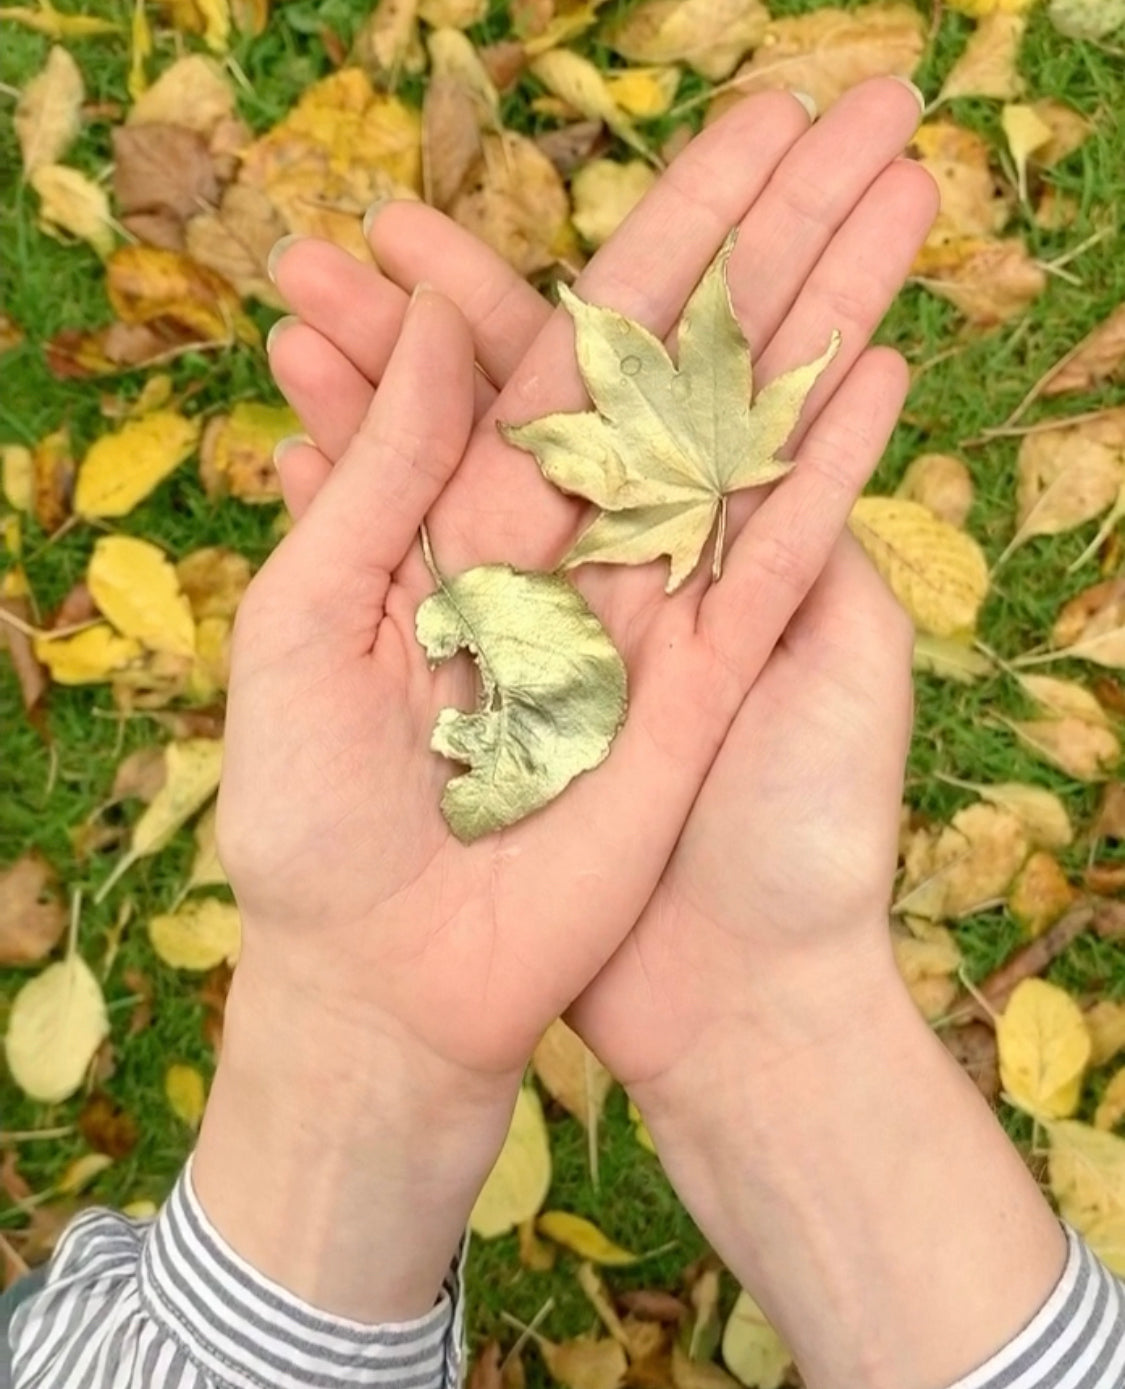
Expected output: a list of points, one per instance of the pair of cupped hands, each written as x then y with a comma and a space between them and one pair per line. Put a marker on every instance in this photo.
725, 874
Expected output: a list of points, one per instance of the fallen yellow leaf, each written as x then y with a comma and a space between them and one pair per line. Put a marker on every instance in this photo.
1087, 1172
87, 657
48, 113
937, 572
1044, 1048
186, 1093
604, 194
56, 1024
710, 35
199, 935
135, 586
123, 468
70, 202
584, 1238
752, 1350
988, 67
518, 1183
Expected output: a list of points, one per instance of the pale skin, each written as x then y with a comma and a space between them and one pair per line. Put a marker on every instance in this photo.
709, 906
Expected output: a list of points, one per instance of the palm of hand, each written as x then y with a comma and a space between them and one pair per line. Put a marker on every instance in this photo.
496, 940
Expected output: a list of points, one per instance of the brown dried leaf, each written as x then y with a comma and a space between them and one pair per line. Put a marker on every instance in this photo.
1040, 894
988, 65
54, 470
30, 675
826, 52
11, 334
1098, 357
107, 1127
1068, 476
236, 456
162, 168
1083, 750
515, 202
974, 201
140, 775
941, 483
48, 114
33, 915
973, 1047
388, 44
570, 146
213, 580
485, 1373
451, 140
236, 241
586, 1364
1110, 823
989, 281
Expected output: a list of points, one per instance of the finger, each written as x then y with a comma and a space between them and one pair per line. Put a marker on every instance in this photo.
811, 195
331, 397
855, 281
329, 392
361, 310
302, 470
786, 543
367, 514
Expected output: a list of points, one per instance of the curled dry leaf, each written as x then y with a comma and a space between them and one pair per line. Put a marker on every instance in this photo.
666, 444
581, 85
236, 456
1041, 893
57, 1022
752, 1350
48, 114
53, 479
941, 483
33, 916
604, 194
553, 692
107, 1127
140, 775
199, 935
1068, 476
1069, 130
571, 1073
514, 201
518, 1183
186, 1093
928, 959
1105, 1022
31, 676
1087, 1174
1044, 1049
709, 35
967, 865
937, 572
829, 50
213, 580
121, 469
586, 1364
989, 281
988, 66
583, 1238
974, 201
136, 588
1110, 823
1099, 357
1091, 627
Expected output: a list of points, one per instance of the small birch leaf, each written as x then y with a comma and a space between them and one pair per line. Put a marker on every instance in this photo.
584, 1238
553, 697
665, 445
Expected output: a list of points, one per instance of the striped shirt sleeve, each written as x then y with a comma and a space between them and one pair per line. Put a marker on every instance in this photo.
1077, 1339
134, 1304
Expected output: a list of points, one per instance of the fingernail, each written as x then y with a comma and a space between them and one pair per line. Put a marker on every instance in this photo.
808, 102
912, 87
419, 289
372, 212
287, 321
283, 446
277, 250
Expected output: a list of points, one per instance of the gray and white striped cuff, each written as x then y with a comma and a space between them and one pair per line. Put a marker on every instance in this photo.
248, 1332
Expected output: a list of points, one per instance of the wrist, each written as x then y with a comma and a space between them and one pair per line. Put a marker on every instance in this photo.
339, 1157
840, 1164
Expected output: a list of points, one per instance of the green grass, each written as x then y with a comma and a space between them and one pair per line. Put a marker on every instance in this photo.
975, 381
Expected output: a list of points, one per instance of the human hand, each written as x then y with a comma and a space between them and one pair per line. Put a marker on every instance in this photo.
685, 965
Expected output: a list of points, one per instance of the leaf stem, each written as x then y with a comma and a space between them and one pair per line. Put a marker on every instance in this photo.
720, 540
